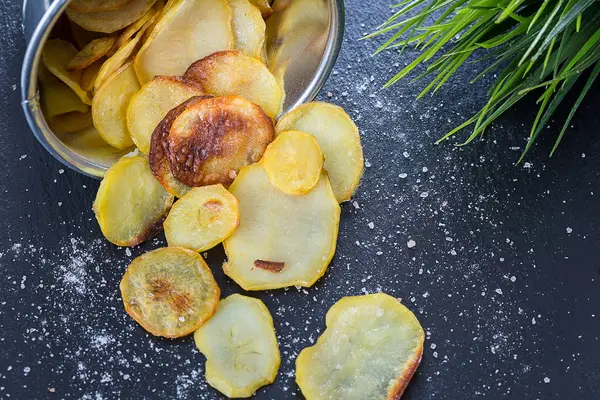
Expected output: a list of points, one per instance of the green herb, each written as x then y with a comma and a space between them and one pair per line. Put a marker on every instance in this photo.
532, 44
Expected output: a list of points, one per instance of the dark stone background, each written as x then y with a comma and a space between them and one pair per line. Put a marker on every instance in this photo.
509, 299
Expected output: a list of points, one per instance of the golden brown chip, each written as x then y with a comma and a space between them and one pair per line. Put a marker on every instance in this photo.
112, 20
92, 6
248, 27
92, 52
213, 139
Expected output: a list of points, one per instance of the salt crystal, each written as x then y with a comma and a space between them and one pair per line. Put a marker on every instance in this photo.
425, 169
546, 380
411, 243
371, 225
367, 164
405, 154
499, 291
355, 204
569, 230
424, 194
533, 321
403, 175
128, 252
61, 171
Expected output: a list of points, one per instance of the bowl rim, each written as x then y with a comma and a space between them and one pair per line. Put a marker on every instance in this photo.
30, 97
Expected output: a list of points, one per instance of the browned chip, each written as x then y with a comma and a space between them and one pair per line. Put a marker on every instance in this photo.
272, 266
211, 140
92, 52
90, 6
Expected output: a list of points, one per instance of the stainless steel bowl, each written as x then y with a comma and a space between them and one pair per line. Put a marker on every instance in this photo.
304, 67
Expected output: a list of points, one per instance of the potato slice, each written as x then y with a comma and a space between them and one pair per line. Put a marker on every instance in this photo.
71, 122
170, 292
90, 74
133, 29
234, 73
112, 20
202, 219
89, 144
240, 346
294, 162
92, 52
131, 205
56, 56
57, 98
338, 138
211, 140
151, 104
109, 108
264, 7
116, 61
92, 6
189, 31
370, 350
248, 28
282, 240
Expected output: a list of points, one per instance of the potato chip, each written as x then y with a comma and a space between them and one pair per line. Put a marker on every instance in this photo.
370, 350
116, 61
80, 36
293, 162
71, 122
131, 205
109, 108
282, 240
89, 144
57, 98
338, 138
240, 346
212, 139
189, 31
170, 292
151, 104
248, 28
112, 20
92, 6
92, 52
234, 73
56, 56
129, 32
264, 7
202, 219
90, 74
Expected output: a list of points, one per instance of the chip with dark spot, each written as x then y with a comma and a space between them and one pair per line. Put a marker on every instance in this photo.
272, 266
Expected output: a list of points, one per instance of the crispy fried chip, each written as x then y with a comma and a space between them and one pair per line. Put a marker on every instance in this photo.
112, 20
89, 144
90, 74
56, 56
91, 6
57, 98
151, 104
92, 52
202, 218
234, 73
338, 138
370, 350
129, 32
282, 240
248, 28
240, 346
293, 162
131, 205
170, 292
70, 122
80, 36
109, 108
213, 139
116, 61
188, 31
264, 7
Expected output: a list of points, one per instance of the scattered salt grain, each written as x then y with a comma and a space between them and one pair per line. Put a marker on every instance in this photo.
546, 380
405, 154
61, 171
411, 243
371, 225
569, 230
499, 291
403, 175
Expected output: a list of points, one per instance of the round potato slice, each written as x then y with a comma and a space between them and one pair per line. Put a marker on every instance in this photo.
211, 140
202, 218
240, 346
111, 20
116, 61
370, 350
57, 98
56, 56
188, 31
234, 73
70, 122
90, 74
109, 108
170, 292
129, 32
92, 52
151, 104
89, 144
282, 240
294, 162
248, 28
92, 6
338, 138
131, 205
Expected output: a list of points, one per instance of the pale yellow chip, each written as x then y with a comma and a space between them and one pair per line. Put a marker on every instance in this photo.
128, 33
370, 350
293, 162
116, 61
89, 144
92, 52
112, 20
282, 240
71, 122
338, 138
150, 105
188, 31
170, 292
91, 6
264, 7
109, 108
234, 73
248, 28
202, 218
90, 74
240, 346
57, 98
131, 204
56, 56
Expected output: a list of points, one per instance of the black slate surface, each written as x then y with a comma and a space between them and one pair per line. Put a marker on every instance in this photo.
504, 276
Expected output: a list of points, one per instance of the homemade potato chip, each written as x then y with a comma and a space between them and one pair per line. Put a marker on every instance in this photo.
131, 205
151, 104
91, 6
188, 31
92, 52
240, 347
90, 74
293, 162
212, 139
109, 108
128, 33
202, 218
70, 123
89, 144
264, 7
170, 292
248, 28
234, 73
80, 36
338, 138
111, 20
56, 56
282, 240
57, 98
370, 350
116, 61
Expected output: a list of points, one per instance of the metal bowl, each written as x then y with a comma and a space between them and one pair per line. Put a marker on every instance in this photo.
303, 70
